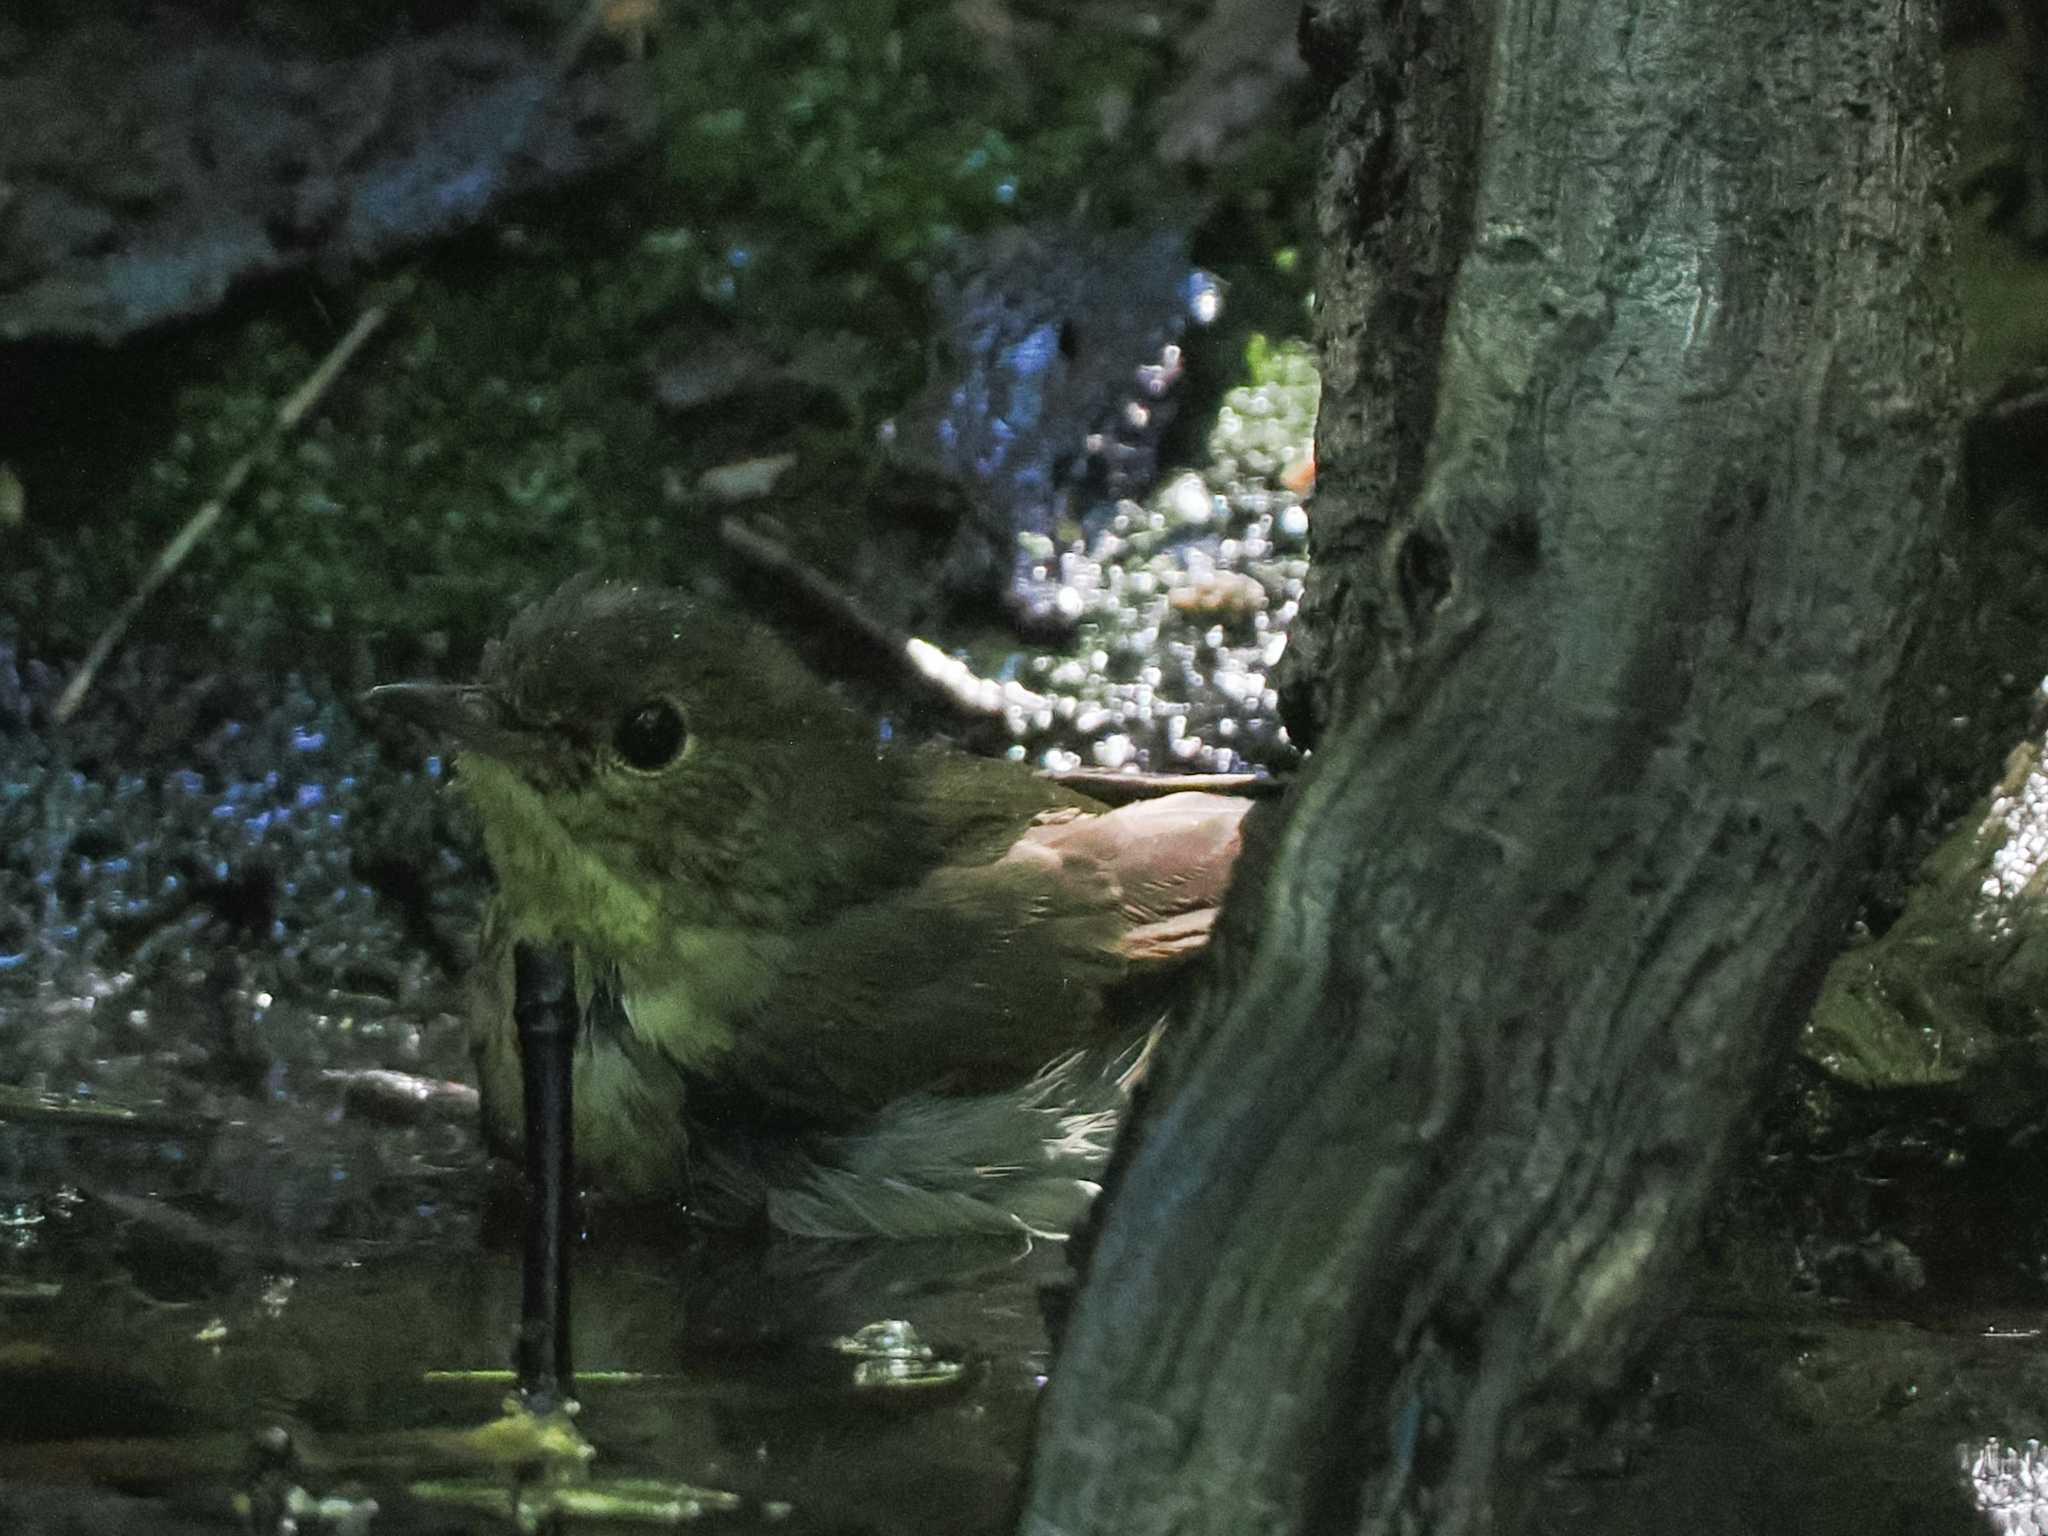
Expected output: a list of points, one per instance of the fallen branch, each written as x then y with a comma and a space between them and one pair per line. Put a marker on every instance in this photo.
923, 664
774, 558
956, 684
289, 415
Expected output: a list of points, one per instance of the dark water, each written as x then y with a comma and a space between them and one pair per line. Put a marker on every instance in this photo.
808, 1388
849, 1388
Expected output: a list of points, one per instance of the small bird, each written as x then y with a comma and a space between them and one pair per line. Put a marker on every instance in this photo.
854, 987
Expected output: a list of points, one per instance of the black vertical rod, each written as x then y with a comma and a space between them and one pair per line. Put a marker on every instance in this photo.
544, 1009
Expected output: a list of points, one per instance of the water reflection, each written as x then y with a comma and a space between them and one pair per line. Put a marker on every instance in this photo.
882, 1387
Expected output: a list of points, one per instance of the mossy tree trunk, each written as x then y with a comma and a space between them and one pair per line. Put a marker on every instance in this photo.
1637, 424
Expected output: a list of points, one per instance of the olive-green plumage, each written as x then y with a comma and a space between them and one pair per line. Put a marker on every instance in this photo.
859, 986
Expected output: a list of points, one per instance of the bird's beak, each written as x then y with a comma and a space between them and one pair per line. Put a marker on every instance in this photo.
458, 716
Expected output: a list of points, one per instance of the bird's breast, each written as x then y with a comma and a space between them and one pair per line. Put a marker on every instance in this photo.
687, 997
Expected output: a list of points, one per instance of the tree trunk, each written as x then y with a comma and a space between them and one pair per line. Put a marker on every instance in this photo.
1637, 423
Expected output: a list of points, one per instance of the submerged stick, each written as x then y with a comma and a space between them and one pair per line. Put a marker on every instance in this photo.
200, 523
544, 1009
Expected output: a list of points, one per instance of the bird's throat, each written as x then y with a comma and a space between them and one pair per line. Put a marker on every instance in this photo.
680, 985
551, 890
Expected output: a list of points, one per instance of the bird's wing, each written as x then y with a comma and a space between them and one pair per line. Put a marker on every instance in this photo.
971, 979
979, 974
976, 806
1170, 857
1170, 860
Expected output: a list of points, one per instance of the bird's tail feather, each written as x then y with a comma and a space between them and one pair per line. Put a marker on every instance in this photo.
929, 1166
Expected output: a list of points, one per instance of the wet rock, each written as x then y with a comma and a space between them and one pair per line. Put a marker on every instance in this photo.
745, 479
1877, 1266
1227, 595
1051, 382
152, 162
1954, 996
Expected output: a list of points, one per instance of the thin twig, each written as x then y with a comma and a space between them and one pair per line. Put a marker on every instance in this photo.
774, 558
964, 688
923, 664
958, 685
1115, 786
295, 409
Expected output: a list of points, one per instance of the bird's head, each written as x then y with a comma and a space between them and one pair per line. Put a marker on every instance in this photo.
641, 761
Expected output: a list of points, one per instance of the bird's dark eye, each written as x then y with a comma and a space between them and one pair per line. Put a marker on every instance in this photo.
650, 736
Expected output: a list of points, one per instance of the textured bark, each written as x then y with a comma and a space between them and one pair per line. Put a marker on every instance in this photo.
1638, 418
1394, 217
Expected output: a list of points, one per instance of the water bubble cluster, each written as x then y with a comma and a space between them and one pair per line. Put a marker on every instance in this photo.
1182, 604
2010, 1486
2018, 820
